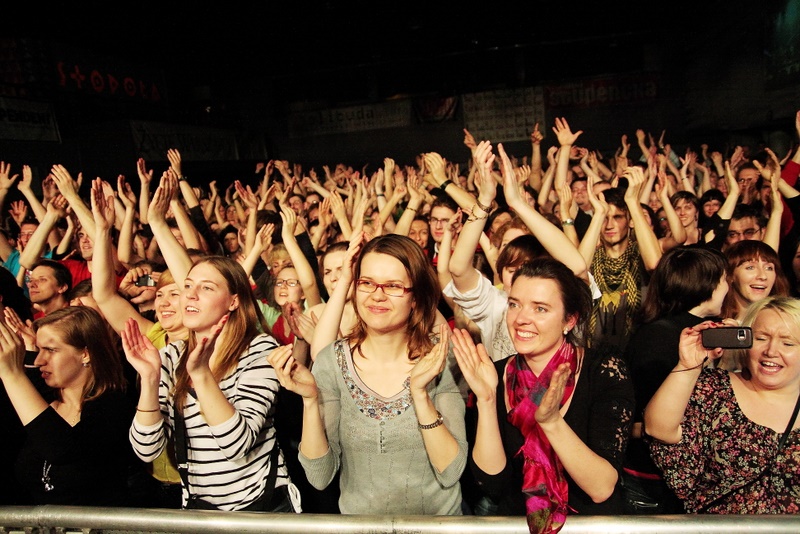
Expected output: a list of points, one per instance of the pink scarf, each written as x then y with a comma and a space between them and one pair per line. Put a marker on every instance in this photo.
543, 475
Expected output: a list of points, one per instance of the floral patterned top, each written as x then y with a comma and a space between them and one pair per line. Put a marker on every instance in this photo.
717, 466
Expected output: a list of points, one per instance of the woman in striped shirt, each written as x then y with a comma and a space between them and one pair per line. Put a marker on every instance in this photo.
223, 387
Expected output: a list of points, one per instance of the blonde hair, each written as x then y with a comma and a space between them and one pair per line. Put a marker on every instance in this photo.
788, 307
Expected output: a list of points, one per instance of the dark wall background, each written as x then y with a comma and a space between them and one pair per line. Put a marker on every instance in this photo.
728, 75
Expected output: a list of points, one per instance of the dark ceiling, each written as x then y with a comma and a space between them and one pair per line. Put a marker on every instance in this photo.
335, 52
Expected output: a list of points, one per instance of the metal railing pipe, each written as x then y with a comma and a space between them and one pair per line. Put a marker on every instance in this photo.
212, 522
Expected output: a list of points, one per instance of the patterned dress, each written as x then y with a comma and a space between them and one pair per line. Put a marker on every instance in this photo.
723, 451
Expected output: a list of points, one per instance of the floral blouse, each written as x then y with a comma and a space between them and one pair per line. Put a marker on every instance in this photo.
725, 463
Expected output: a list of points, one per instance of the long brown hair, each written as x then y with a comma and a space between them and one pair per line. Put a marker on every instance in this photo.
83, 327
425, 291
237, 334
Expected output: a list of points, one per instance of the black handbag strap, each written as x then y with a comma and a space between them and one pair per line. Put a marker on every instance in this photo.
790, 426
768, 466
182, 460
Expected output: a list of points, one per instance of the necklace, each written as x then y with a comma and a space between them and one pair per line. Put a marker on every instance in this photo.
64, 412
46, 477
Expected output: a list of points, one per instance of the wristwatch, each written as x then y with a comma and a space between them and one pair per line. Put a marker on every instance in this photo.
568, 222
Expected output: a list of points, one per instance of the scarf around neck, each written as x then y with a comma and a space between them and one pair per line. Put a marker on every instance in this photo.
543, 481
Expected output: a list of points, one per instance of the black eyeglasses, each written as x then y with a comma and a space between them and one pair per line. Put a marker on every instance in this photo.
291, 282
391, 290
747, 234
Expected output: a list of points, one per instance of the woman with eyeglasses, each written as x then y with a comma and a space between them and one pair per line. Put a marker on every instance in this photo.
294, 286
381, 405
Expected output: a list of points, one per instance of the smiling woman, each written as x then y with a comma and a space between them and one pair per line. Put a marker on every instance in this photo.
553, 419
381, 405
747, 461
216, 394
754, 272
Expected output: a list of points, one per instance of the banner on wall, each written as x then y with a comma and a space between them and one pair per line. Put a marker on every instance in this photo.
396, 114
504, 115
153, 139
603, 92
88, 73
26, 120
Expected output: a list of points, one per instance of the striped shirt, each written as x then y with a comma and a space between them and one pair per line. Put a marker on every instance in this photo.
229, 462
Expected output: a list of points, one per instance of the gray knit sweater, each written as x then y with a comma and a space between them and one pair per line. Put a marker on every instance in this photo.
377, 444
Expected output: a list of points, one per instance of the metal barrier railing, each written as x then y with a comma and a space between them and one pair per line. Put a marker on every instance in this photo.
76, 519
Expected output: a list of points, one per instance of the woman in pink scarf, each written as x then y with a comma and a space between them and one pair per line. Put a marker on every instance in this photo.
551, 434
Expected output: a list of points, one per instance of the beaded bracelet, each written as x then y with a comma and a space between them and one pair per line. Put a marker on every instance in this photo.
439, 421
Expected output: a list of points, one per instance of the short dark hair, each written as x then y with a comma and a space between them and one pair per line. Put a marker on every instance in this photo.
743, 211
684, 278
575, 294
616, 197
60, 272
444, 202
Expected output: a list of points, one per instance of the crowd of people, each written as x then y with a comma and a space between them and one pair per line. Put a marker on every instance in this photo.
509, 335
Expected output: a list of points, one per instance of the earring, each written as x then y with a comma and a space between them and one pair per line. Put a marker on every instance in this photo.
566, 331
86, 364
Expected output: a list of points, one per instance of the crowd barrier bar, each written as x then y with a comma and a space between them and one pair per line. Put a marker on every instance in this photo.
87, 519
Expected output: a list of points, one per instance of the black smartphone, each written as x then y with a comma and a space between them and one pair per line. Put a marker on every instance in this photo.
728, 337
145, 281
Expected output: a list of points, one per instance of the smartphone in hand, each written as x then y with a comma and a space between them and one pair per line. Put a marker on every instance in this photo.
727, 337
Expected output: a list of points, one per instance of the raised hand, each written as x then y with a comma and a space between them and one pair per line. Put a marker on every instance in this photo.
102, 201
174, 157
563, 132
549, 406
536, 136
23, 329
145, 175
199, 360
635, 176
476, 365
125, 193
626, 146
772, 170
289, 218
249, 198
432, 364
63, 180
6, 181
511, 188
469, 140
12, 351
484, 163
59, 206
435, 163
140, 352
691, 352
598, 202
292, 375
27, 178
166, 191
454, 223
18, 211
264, 237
